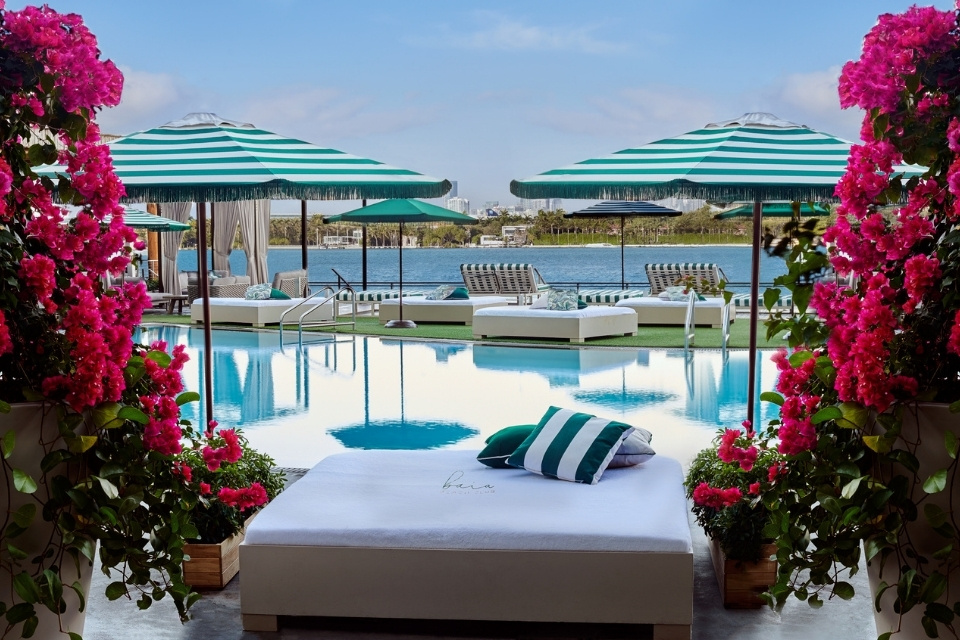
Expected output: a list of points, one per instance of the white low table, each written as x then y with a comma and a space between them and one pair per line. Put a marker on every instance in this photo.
258, 312
420, 309
576, 325
653, 310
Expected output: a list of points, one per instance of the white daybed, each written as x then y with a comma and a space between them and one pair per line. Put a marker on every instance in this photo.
576, 325
259, 312
436, 535
420, 309
653, 310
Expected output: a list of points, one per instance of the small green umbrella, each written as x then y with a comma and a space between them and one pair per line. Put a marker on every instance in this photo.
775, 210
401, 211
143, 220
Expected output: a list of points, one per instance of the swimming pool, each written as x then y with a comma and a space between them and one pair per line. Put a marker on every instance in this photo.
302, 404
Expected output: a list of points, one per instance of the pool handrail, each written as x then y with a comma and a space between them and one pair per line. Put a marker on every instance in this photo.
331, 299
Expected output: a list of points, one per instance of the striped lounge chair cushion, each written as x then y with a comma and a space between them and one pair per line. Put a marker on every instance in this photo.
742, 301
607, 296
377, 295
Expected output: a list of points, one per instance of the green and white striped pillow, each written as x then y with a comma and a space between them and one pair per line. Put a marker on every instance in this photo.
570, 446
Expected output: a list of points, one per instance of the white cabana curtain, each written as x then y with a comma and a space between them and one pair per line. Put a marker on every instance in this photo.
255, 229
170, 244
225, 219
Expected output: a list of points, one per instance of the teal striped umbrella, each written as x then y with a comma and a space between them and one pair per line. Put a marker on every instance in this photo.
755, 157
205, 158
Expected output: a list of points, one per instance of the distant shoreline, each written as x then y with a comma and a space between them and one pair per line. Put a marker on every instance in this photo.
294, 247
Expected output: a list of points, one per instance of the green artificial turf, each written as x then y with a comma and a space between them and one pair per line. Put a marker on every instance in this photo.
647, 336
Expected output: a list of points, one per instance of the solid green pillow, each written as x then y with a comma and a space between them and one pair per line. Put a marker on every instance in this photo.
276, 294
460, 293
581, 304
502, 444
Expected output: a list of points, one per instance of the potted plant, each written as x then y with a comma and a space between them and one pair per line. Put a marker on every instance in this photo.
90, 427
214, 557
868, 397
724, 488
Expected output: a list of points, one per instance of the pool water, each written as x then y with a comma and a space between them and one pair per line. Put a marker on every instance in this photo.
300, 404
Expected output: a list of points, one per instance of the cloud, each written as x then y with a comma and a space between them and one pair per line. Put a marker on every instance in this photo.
811, 98
149, 99
325, 114
500, 33
635, 115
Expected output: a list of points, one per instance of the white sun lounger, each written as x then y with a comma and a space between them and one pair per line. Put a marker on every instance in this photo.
576, 325
419, 309
259, 312
436, 535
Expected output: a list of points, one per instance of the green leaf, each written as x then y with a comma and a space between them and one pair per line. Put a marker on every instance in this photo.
134, 414
78, 589
81, 444
29, 627
877, 443
144, 602
108, 487
160, 357
827, 413
7, 444
26, 587
844, 590
934, 515
23, 482
105, 416
929, 626
20, 612
854, 416
951, 443
116, 590
937, 482
5, 406
25, 514
933, 587
188, 396
940, 612
850, 488
772, 397
16, 553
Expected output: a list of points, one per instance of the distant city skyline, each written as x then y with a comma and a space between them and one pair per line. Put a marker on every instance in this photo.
479, 93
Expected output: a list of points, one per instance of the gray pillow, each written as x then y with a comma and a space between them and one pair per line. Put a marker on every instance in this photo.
635, 449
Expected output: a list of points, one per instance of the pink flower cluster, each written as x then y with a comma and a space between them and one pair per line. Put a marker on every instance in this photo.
796, 433
243, 498
715, 498
728, 451
69, 54
230, 452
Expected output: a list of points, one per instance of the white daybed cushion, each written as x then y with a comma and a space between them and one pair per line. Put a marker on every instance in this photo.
445, 499
521, 311
243, 302
654, 301
418, 301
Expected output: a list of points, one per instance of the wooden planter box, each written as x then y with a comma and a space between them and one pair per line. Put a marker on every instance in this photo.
212, 566
741, 583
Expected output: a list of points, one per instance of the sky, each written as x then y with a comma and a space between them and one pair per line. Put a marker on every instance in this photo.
479, 92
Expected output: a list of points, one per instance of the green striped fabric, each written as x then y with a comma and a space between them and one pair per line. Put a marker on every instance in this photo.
570, 446
607, 296
754, 156
203, 158
377, 295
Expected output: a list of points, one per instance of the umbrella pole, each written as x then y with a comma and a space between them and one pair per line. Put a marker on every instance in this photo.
364, 256
401, 323
623, 277
754, 308
303, 234
203, 281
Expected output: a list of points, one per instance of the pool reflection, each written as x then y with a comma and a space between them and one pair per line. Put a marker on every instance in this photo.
302, 403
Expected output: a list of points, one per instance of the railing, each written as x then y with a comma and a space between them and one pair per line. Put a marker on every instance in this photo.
330, 299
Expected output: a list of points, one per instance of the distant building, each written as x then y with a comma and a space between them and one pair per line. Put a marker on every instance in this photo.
460, 205
541, 204
453, 190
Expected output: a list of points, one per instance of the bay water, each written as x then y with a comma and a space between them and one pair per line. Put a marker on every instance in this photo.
586, 266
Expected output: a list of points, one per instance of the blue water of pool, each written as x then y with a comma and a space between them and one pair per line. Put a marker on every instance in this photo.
300, 404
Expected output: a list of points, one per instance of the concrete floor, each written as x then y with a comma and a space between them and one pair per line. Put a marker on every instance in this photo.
217, 617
